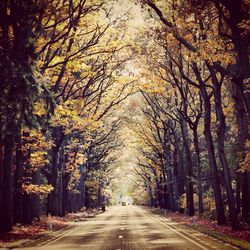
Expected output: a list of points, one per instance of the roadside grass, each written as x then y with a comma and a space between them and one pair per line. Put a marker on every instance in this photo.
240, 238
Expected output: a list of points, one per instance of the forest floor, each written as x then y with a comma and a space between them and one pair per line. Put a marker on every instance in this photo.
240, 238
46, 227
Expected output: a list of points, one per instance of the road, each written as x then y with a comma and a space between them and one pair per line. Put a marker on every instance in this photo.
131, 228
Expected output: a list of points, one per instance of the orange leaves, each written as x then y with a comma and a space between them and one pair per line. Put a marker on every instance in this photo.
213, 50
37, 189
35, 146
245, 164
245, 27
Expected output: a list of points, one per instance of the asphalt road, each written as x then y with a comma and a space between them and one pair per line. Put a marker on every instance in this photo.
134, 228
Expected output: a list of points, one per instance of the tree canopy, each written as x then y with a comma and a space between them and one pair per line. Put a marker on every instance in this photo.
103, 97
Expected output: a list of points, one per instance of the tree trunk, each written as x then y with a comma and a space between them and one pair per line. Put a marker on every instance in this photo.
176, 177
242, 122
1, 159
18, 175
220, 213
241, 45
198, 160
60, 183
35, 200
221, 131
27, 209
168, 170
7, 207
189, 168
52, 205
238, 13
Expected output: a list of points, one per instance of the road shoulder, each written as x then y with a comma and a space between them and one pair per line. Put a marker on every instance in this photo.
192, 223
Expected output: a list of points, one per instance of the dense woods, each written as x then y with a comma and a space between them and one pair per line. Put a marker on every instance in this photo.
66, 69
59, 63
197, 108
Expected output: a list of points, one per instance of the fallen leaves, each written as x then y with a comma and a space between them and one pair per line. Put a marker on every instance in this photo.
40, 228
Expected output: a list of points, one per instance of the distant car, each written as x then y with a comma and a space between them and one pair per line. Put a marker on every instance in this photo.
123, 203
128, 203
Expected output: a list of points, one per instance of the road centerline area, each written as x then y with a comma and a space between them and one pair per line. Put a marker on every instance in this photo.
143, 231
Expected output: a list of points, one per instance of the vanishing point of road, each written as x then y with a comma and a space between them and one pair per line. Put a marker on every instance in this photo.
130, 228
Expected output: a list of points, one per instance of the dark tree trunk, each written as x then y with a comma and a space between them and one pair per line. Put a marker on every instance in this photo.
220, 213
242, 122
168, 190
27, 209
176, 177
241, 44
245, 197
60, 183
238, 12
35, 200
198, 160
66, 207
1, 155
213, 165
64, 196
221, 131
7, 207
18, 193
161, 193
181, 168
189, 168
81, 187
52, 205
158, 194
238, 193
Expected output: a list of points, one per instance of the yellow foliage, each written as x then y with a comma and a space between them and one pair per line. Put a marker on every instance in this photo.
245, 165
38, 159
40, 108
37, 189
35, 147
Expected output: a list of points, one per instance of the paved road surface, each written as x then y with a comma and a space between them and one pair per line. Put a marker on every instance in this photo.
131, 228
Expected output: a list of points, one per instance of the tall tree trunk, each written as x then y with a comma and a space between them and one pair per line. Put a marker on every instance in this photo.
52, 207
157, 192
176, 177
198, 163
238, 13
81, 186
18, 175
168, 170
27, 209
58, 138
6, 217
242, 122
60, 183
189, 168
1, 163
220, 213
221, 149
35, 199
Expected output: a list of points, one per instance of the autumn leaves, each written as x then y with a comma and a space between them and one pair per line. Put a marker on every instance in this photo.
196, 72
59, 87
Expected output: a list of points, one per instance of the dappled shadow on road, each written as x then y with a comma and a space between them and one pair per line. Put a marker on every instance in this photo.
129, 228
